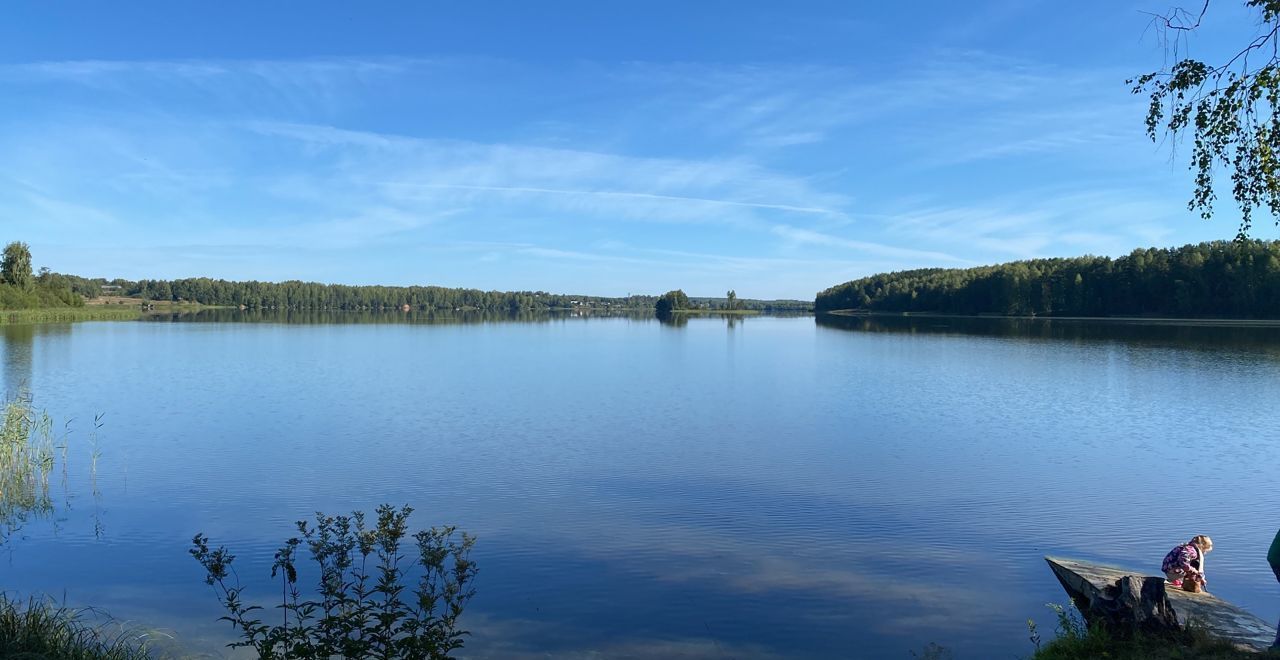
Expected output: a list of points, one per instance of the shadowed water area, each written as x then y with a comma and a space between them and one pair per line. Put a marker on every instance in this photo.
730, 488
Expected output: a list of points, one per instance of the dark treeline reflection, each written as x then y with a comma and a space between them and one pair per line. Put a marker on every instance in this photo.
306, 316
17, 352
1190, 334
672, 320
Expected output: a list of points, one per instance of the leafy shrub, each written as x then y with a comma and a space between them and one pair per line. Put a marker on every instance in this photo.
363, 609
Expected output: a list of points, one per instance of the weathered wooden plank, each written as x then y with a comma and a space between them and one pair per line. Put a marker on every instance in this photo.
1085, 581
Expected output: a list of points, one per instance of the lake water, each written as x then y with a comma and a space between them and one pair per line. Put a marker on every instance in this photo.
753, 488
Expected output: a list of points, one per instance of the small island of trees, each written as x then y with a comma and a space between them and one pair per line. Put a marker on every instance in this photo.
671, 301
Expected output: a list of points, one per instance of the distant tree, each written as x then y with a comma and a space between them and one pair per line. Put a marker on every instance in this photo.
733, 299
1232, 110
671, 301
15, 266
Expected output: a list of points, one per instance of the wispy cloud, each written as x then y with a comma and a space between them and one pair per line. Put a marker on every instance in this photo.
606, 186
216, 86
620, 194
715, 172
292, 73
806, 236
1045, 222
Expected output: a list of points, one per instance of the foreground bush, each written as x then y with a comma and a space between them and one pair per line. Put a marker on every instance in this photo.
40, 630
1077, 641
364, 609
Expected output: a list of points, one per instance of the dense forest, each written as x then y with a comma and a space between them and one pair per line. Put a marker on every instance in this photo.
1239, 279
297, 295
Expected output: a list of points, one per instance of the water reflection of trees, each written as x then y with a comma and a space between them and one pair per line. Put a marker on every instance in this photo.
17, 353
1261, 337
287, 316
304, 317
672, 320
19, 345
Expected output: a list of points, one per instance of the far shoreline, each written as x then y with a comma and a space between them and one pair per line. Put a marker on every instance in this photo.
1131, 320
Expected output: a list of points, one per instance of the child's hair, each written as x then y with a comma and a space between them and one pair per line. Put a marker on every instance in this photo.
1203, 542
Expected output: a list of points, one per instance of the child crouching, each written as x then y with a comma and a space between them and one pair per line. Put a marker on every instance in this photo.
1186, 562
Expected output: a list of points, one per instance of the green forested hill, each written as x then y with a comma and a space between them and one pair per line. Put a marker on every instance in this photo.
1220, 279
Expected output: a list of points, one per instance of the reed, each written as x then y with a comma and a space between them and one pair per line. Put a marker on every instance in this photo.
26, 461
39, 629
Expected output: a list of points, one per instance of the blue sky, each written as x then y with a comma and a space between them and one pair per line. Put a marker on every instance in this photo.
586, 147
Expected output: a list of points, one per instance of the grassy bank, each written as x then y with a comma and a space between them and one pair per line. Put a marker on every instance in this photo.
39, 630
68, 315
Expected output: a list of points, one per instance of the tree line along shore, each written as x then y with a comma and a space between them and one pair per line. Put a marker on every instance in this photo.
1221, 279
23, 289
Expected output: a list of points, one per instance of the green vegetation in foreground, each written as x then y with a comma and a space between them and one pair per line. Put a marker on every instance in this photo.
1093, 647
364, 608
40, 630
1077, 641
1239, 279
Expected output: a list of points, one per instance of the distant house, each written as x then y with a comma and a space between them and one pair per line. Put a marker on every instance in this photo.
110, 289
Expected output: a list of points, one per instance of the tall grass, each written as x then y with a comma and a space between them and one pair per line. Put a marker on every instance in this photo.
26, 460
40, 629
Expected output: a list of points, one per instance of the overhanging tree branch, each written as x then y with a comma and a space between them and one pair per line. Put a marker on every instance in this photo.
1230, 111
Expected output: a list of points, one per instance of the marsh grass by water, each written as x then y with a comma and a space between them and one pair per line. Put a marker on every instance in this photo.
41, 629
26, 460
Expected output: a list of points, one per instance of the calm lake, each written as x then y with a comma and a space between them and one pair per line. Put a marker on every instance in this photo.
748, 488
